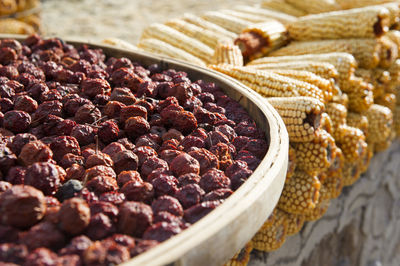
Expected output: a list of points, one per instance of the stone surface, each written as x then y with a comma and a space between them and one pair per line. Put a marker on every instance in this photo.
361, 227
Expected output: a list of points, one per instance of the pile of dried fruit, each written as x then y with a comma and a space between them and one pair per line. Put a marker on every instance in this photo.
102, 159
329, 68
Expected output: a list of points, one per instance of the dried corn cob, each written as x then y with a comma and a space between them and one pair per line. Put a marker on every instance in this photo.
179, 40
396, 118
207, 37
295, 223
252, 18
8, 7
282, 6
32, 20
292, 163
319, 210
326, 123
300, 193
322, 69
228, 53
337, 113
366, 159
388, 100
163, 48
325, 85
332, 185
267, 13
269, 84
344, 63
341, 24
389, 52
301, 116
227, 22
360, 102
351, 141
378, 77
365, 51
259, 39
392, 7
315, 6
341, 98
315, 155
351, 173
198, 21
271, 237
120, 43
242, 257
380, 124
394, 36
335, 170
14, 26
359, 121
359, 93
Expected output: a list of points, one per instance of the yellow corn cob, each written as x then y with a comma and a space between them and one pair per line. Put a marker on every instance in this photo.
392, 7
367, 22
351, 173
325, 85
331, 184
315, 155
252, 18
207, 37
366, 158
351, 141
396, 118
394, 71
335, 170
271, 219
292, 163
269, 13
198, 21
326, 123
227, 22
32, 20
365, 51
322, 69
319, 210
380, 124
259, 39
315, 6
13, 26
270, 84
271, 237
301, 116
389, 52
388, 100
378, 77
300, 193
163, 48
8, 7
120, 43
242, 257
179, 40
227, 53
359, 93
344, 63
359, 121
337, 113
394, 36
282, 6
295, 222
382, 146
341, 98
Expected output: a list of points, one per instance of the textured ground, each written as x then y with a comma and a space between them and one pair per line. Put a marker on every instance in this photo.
125, 19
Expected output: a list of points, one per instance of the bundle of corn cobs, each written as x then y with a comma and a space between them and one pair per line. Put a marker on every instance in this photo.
19, 16
330, 69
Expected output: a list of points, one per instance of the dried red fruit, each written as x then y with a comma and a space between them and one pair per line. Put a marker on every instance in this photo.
74, 216
184, 164
134, 218
22, 206
214, 179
